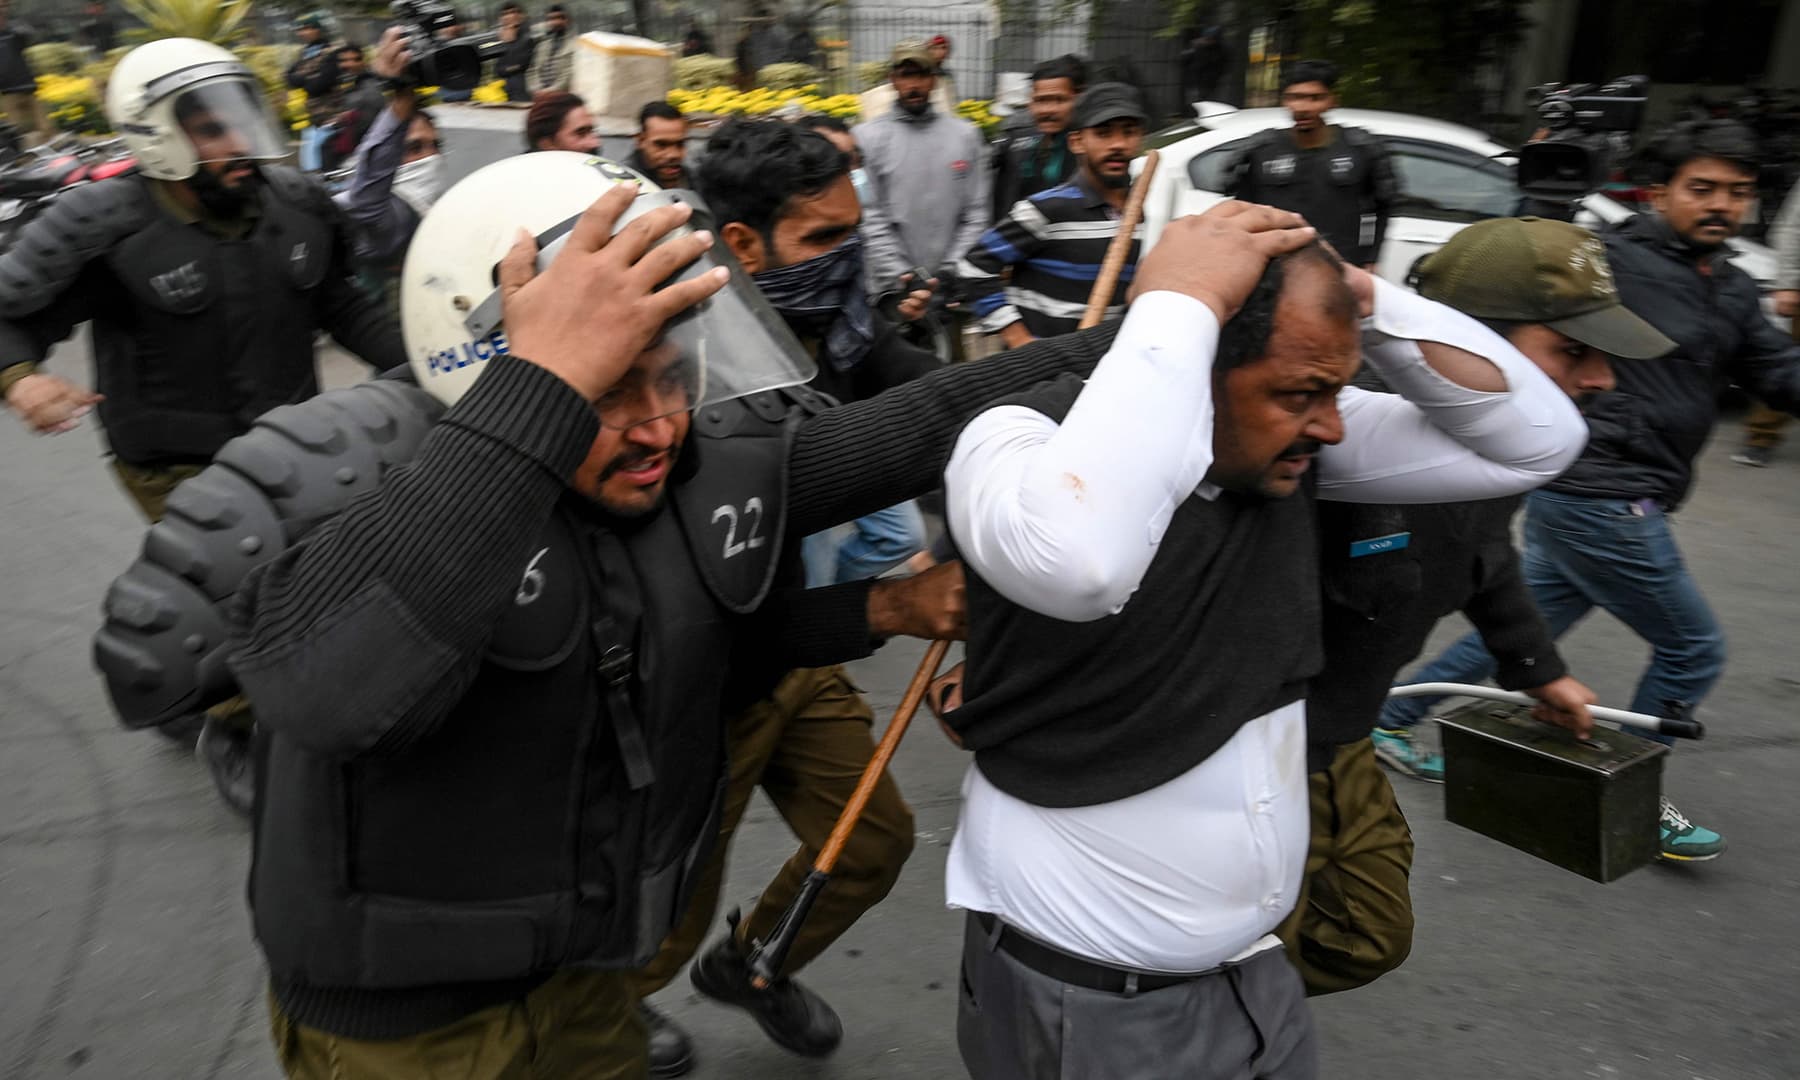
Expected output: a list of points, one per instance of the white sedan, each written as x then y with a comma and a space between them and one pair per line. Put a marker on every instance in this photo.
1450, 177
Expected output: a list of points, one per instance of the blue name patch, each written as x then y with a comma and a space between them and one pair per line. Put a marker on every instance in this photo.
1377, 545
444, 361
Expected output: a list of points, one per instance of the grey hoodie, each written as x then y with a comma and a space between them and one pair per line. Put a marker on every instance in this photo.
929, 175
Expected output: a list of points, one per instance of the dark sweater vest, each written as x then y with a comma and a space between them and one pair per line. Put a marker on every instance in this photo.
1223, 629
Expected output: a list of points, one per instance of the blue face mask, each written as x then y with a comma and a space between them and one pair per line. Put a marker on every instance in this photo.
823, 297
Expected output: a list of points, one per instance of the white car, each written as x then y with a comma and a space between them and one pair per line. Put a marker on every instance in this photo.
1450, 177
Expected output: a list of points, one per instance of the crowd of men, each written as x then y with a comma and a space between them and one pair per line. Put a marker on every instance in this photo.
670, 517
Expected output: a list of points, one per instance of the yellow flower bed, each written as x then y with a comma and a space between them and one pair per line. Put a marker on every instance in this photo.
724, 101
72, 102
979, 113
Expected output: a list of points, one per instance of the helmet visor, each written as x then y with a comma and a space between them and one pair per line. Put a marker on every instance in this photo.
728, 346
225, 121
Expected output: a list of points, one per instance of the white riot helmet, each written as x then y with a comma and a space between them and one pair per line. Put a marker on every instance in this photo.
727, 346
179, 103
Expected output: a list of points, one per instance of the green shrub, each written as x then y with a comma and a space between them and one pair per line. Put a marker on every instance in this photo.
870, 74
704, 72
788, 76
55, 58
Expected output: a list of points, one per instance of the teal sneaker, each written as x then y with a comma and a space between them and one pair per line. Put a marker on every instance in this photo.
1399, 750
1684, 841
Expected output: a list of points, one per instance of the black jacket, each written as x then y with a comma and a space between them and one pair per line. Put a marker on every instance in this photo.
1383, 599
892, 361
1335, 186
15, 72
195, 335
414, 859
1027, 162
1646, 432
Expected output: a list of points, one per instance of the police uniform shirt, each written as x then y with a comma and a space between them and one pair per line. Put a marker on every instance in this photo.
1342, 188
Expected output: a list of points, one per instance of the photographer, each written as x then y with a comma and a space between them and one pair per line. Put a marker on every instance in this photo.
399, 174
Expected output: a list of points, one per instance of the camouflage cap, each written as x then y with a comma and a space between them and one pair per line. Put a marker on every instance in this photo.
912, 52
1535, 270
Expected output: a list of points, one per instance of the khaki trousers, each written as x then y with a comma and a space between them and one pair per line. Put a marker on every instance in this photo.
1354, 922
580, 1025
806, 744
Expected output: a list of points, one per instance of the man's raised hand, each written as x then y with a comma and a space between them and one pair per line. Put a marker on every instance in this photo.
588, 315
1217, 257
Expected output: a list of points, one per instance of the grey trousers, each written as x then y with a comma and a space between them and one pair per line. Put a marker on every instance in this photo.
1246, 1022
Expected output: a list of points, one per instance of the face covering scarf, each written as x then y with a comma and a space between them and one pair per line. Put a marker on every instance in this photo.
419, 183
823, 297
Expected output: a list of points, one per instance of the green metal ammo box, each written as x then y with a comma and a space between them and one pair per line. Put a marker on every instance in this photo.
1588, 807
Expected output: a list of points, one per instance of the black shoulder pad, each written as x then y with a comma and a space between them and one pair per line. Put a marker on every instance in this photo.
293, 186
311, 459
78, 226
731, 502
1355, 136
162, 649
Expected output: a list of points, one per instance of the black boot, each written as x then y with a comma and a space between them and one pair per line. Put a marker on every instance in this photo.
671, 1054
226, 750
790, 1014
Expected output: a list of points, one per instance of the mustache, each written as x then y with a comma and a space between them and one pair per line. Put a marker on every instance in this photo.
631, 459
1302, 448
1716, 219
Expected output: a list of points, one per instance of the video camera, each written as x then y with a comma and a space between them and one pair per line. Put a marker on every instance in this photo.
1586, 129
453, 64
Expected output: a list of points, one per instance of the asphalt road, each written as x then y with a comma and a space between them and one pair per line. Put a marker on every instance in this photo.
125, 950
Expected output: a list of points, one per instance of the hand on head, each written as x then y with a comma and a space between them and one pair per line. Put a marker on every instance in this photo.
588, 315
1218, 257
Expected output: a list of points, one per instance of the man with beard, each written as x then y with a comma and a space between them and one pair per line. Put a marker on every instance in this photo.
1339, 178
205, 275
785, 206
926, 170
1028, 162
399, 174
559, 120
1030, 275
1599, 535
553, 65
1389, 573
659, 150
1143, 618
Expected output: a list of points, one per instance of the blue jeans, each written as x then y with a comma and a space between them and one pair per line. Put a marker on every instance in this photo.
1583, 553
877, 542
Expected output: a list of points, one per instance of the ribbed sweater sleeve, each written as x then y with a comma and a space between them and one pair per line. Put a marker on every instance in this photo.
1510, 625
859, 458
362, 637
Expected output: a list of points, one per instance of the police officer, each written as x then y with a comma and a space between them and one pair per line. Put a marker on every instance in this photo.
494, 752
1338, 178
205, 275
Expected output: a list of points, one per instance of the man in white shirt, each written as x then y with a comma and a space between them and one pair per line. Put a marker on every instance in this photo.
1135, 825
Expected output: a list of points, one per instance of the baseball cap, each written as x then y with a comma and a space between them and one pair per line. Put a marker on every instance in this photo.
1538, 271
1108, 101
912, 52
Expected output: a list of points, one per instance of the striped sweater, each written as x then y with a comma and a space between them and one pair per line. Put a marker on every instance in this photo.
1053, 243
